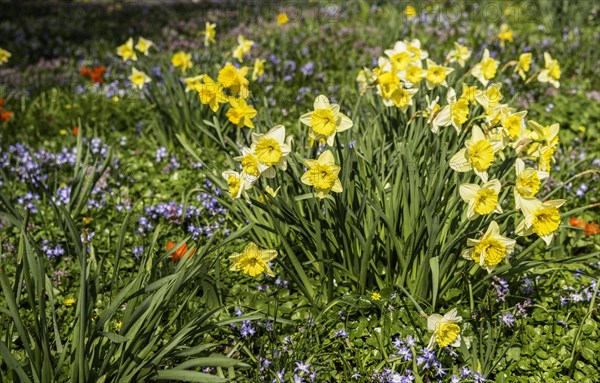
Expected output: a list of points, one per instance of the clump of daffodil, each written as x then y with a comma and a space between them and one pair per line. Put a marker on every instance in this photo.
282, 18
322, 174
235, 80
126, 51
455, 113
4, 56
485, 70
271, 150
460, 54
541, 218
139, 78
209, 33
490, 249
551, 71
528, 182
211, 93
445, 329
478, 154
436, 74
325, 120
505, 34
143, 46
259, 69
523, 65
240, 113
182, 61
238, 183
193, 83
481, 200
253, 261
244, 46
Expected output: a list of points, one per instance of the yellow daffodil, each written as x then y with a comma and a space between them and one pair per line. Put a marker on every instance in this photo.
259, 69
431, 112
238, 183
490, 249
490, 96
143, 45
244, 46
551, 71
182, 61
523, 65
542, 136
477, 156
481, 200
410, 11
235, 80
514, 124
455, 113
414, 73
414, 47
126, 51
193, 83
211, 93
505, 34
445, 329
4, 56
460, 54
268, 194
139, 78
546, 157
282, 18
365, 79
240, 113
436, 74
401, 97
69, 301
485, 70
541, 218
528, 182
249, 162
468, 93
325, 120
322, 174
209, 33
253, 261
271, 150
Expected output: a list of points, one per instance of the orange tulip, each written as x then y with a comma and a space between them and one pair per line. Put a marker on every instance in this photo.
592, 228
576, 222
179, 253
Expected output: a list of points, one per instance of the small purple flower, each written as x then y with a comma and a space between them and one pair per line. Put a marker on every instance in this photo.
341, 333
507, 319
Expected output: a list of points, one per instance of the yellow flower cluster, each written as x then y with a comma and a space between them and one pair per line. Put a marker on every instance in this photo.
127, 51
269, 152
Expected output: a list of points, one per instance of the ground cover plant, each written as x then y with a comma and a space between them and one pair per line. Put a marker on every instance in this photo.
285, 192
